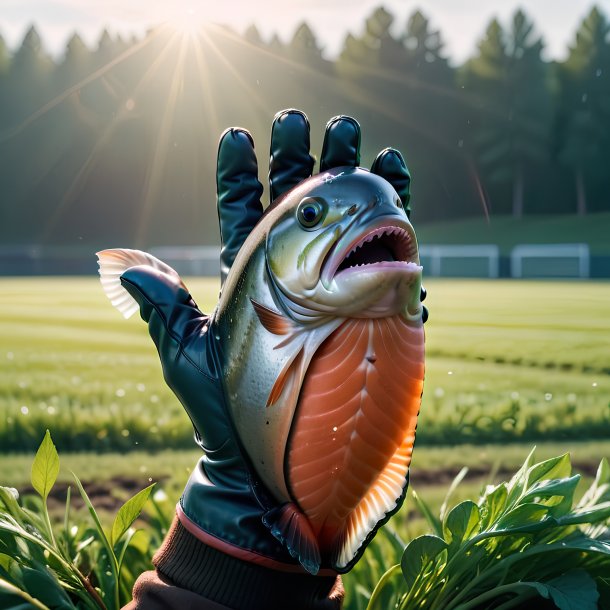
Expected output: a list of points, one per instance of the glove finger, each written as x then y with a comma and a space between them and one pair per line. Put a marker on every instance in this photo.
341, 143
290, 161
238, 193
389, 164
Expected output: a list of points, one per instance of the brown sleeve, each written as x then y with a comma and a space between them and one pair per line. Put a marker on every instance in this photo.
191, 575
153, 591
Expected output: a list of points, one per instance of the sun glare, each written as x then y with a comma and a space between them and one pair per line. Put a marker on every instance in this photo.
187, 22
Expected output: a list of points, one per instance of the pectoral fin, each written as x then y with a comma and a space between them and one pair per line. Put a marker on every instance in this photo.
292, 528
273, 321
113, 263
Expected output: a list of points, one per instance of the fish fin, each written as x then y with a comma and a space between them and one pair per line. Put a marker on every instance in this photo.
382, 499
113, 263
273, 321
289, 375
292, 528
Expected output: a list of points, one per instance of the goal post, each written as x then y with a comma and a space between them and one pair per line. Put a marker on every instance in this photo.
550, 260
460, 260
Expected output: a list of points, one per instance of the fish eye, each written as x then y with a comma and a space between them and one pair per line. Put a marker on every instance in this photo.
310, 212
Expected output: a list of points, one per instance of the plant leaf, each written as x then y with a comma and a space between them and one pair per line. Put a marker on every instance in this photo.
525, 518
419, 554
426, 511
462, 522
549, 488
45, 467
454, 485
387, 590
555, 468
574, 591
128, 513
493, 504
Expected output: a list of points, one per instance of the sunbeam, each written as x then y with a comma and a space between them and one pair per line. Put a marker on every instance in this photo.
82, 175
74, 88
155, 171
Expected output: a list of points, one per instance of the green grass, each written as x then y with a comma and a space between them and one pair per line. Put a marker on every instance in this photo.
507, 232
506, 361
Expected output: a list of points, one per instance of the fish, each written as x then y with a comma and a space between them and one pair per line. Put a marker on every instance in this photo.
321, 343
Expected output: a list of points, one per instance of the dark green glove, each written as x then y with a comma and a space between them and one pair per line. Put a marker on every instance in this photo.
224, 503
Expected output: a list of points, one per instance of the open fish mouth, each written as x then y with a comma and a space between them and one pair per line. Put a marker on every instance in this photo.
384, 247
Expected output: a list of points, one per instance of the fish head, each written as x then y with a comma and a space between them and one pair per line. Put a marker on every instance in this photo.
341, 245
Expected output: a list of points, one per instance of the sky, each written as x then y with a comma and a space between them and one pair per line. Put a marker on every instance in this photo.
462, 22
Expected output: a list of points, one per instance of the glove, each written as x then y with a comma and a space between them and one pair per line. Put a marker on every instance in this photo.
234, 503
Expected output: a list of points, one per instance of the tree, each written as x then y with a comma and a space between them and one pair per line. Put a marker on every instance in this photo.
508, 85
584, 111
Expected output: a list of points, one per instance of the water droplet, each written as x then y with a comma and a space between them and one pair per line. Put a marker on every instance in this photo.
334, 428
548, 396
120, 393
125, 432
449, 372
51, 410
594, 384
24, 410
150, 479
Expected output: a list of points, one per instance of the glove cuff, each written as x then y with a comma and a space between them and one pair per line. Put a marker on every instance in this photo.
193, 565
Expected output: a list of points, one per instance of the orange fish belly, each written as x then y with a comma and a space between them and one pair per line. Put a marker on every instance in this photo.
355, 422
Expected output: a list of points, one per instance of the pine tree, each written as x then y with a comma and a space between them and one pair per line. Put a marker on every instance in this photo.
508, 84
584, 113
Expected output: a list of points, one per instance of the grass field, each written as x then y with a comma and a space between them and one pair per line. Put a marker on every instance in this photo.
506, 361
509, 364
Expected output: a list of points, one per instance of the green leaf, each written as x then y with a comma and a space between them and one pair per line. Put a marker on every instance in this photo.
387, 590
462, 522
553, 487
493, 504
517, 484
128, 513
420, 553
574, 591
554, 468
38, 581
595, 514
426, 511
454, 485
45, 467
525, 518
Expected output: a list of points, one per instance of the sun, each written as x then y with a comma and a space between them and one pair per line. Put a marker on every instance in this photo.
187, 22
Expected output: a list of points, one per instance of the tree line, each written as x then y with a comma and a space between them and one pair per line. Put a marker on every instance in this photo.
116, 145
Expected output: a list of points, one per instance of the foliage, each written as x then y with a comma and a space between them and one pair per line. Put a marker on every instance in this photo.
74, 566
524, 541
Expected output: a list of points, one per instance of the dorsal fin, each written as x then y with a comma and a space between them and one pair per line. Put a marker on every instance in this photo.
273, 321
288, 375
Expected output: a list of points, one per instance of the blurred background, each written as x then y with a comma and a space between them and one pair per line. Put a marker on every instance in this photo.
110, 113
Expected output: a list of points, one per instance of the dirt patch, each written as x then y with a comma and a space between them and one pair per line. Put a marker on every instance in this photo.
109, 495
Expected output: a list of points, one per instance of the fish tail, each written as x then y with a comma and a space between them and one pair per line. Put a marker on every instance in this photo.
292, 528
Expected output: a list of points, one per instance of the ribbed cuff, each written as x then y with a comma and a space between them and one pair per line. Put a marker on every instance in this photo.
192, 565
